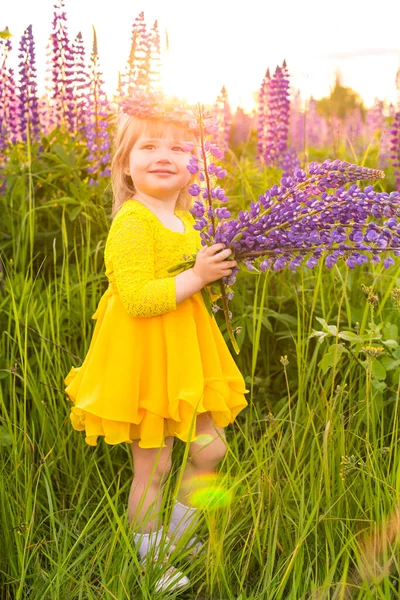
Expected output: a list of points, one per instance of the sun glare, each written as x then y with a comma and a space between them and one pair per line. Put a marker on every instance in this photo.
186, 86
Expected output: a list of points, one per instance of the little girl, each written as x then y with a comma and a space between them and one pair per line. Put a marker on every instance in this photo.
158, 367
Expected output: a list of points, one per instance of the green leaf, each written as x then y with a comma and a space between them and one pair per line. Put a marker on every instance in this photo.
328, 360
321, 335
350, 336
378, 370
390, 331
389, 363
6, 439
61, 153
390, 343
267, 324
332, 329
75, 212
183, 265
378, 385
243, 267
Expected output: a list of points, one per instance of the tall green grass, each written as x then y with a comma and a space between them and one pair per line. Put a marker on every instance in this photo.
312, 464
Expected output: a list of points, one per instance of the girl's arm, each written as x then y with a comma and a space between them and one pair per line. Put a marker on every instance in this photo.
130, 252
187, 283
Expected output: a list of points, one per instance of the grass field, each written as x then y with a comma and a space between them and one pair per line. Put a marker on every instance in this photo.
310, 483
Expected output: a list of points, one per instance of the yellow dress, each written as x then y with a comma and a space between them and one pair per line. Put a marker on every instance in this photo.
151, 364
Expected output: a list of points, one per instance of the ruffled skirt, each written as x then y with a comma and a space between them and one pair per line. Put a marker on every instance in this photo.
148, 378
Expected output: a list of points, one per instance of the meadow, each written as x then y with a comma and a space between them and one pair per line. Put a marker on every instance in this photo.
310, 481
305, 505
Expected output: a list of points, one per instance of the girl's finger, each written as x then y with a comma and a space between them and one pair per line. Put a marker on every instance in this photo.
220, 256
216, 247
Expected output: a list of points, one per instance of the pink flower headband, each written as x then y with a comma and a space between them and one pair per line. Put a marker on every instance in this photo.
156, 105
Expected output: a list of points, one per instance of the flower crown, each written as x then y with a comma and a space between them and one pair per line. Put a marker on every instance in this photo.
145, 104
156, 105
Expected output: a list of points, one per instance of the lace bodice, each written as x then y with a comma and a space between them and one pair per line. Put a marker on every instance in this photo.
139, 250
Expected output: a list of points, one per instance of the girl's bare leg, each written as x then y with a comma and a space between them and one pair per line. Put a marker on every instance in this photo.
203, 458
151, 468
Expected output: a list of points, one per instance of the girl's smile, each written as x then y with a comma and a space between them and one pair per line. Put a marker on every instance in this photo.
158, 167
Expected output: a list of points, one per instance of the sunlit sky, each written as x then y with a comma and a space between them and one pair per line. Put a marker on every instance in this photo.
215, 42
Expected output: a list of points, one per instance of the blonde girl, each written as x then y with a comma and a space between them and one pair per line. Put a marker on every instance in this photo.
158, 367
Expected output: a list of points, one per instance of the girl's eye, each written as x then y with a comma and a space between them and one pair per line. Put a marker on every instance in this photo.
178, 148
148, 146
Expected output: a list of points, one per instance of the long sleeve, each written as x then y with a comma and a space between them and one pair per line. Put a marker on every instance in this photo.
131, 252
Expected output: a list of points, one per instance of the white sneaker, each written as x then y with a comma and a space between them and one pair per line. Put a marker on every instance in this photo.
171, 579
197, 548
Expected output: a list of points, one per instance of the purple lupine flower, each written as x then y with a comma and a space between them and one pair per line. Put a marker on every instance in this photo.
27, 89
142, 71
47, 105
222, 115
289, 162
98, 137
155, 58
300, 217
315, 126
353, 127
207, 215
278, 116
241, 127
81, 81
375, 120
376, 128
262, 115
395, 148
62, 87
310, 213
9, 103
297, 123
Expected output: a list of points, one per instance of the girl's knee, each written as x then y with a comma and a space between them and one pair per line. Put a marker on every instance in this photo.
209, 453
152, 463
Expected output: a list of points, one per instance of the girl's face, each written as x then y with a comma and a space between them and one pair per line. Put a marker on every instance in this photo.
157, 166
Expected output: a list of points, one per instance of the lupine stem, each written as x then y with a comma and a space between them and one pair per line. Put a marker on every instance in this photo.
209, 201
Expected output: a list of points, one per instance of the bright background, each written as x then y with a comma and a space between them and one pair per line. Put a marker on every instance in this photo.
214, 43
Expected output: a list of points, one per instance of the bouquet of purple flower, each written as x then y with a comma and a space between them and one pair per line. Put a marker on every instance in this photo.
308, 217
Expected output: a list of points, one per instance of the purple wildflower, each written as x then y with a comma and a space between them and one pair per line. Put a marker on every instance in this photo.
278, 116
81, 82
241, 127
353, 127
262, 115
62, 71
309, 215
223, 116
98, 138
9, 103
395, 148
315, 126
297, 122
375, 120
27, 91
142, 72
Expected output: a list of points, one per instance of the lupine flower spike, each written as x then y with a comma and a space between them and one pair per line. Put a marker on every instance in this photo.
62, 70
308, 216
98, 138
395, 148
9, 121
28, 100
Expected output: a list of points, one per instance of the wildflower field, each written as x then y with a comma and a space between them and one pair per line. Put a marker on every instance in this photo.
305, 505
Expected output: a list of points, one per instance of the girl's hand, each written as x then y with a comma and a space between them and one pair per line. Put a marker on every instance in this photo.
211, 265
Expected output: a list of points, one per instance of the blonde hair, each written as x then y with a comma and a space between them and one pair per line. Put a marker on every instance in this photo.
129, 129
